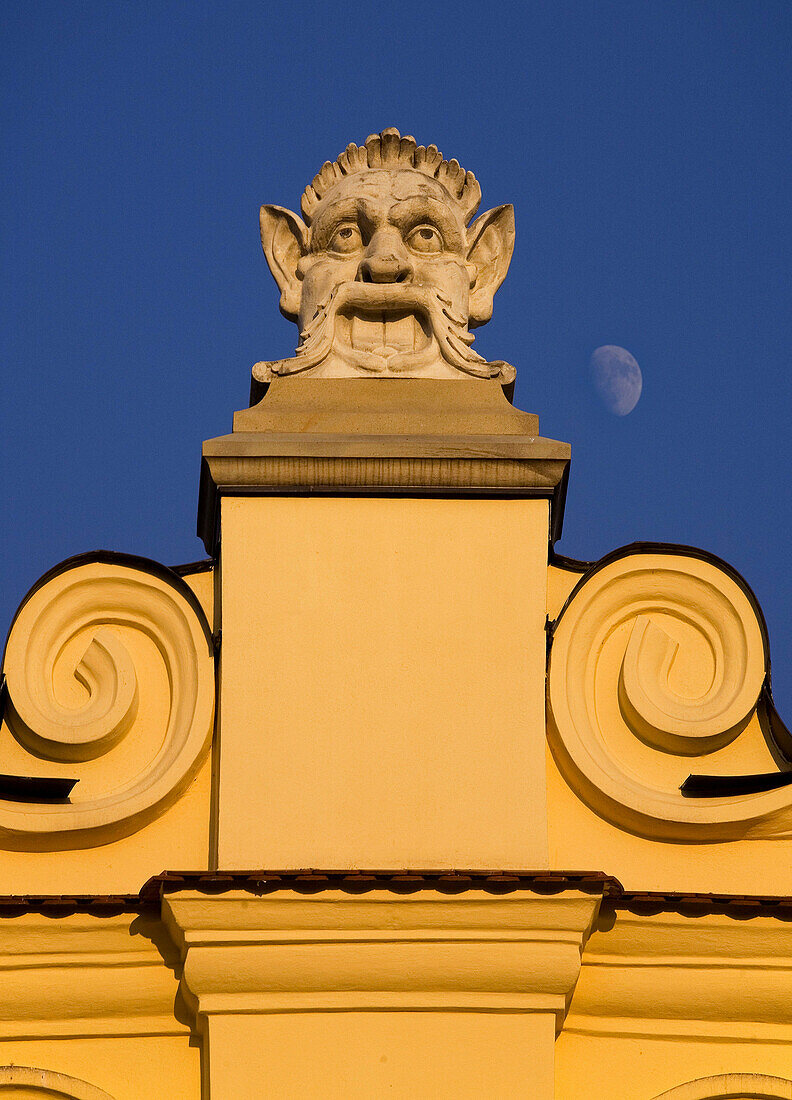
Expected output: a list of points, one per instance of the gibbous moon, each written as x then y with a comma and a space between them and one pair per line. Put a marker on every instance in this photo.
616, 377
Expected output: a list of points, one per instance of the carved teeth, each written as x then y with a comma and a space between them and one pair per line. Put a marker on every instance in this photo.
386, 333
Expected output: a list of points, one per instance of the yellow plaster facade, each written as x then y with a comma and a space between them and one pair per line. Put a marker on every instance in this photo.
398, 630
386, 798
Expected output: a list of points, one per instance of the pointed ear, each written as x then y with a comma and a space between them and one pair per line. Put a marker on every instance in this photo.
284, 238
490, 247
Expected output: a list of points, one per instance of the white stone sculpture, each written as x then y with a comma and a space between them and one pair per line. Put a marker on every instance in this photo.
385, 276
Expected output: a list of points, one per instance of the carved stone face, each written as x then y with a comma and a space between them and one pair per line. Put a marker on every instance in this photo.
388, 279
389, 234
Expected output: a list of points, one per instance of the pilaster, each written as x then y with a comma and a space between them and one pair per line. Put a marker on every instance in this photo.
334, 995
383, 549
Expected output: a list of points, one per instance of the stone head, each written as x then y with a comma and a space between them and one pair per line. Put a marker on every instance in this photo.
386, 272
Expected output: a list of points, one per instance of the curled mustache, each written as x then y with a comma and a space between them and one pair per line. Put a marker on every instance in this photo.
449, 330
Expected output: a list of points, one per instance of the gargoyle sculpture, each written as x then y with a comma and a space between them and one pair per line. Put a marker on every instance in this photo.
385, 276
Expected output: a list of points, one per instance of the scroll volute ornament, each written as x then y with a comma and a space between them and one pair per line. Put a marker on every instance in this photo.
657, 662
109, 673
385, 276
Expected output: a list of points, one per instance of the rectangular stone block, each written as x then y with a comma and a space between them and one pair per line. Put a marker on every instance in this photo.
396, 1054
382, 683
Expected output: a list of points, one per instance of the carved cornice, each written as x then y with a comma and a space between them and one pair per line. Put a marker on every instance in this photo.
639, 974
452, 468
108, 970
289, 953
381, 437
78, 704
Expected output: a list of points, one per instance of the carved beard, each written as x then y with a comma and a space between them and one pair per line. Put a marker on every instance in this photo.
393, 329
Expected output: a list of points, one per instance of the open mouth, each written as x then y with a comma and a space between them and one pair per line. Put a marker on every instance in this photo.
388, 329
384, 332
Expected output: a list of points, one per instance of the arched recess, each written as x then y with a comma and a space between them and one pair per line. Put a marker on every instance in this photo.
26, 1082
732, 1086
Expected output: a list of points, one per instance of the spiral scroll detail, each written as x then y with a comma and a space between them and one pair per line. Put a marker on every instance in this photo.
93, 600
671, 648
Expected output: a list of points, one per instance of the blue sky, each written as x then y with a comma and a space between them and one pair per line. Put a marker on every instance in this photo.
645, 146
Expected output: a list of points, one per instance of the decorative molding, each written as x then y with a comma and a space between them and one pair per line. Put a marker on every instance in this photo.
732, 1086
49, 1083
103, 614
416, 474
494, 451
405, 407
638, 973
289, 953
111, 972
657, 658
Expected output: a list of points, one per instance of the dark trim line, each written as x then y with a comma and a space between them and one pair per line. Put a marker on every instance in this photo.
205, 565
739, 906
312, 881
558, 507
64, 905
572, 565
589, 569
26, 788
778, 729
133, 561
731, 786
480, 492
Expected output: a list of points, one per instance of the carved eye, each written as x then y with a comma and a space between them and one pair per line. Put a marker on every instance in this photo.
425, 238
346, 239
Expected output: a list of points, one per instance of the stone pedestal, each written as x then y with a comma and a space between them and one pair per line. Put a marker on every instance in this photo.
424, 995
382, 600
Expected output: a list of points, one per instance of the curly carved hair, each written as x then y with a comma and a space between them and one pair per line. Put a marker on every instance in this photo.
390, 150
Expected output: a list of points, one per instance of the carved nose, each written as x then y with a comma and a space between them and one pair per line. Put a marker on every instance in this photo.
385, 261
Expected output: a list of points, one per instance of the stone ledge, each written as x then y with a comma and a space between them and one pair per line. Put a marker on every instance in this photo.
291, 953
408, 437
246, 463
108, 970
673, 975
386, 406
